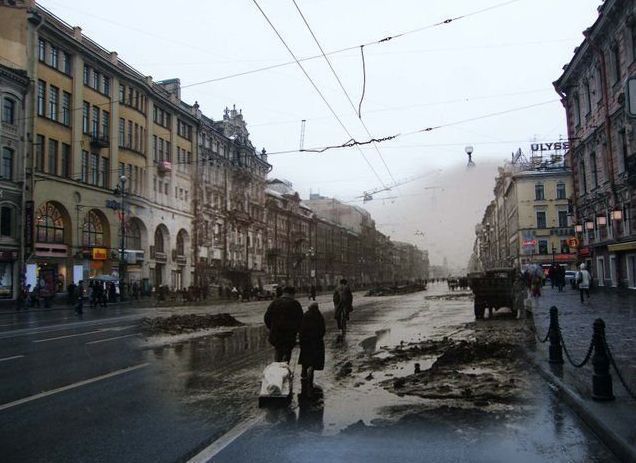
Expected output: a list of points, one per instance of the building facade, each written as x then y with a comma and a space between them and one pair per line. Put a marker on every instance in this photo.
229, 222
529, 220
602, 144
14, 86
107, 173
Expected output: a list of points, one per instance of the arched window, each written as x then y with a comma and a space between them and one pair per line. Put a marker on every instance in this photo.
181, 244
133, 235
159, 240
92, 230
49, 226
8, 111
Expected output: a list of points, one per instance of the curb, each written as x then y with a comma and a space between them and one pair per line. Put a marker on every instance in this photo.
616, 443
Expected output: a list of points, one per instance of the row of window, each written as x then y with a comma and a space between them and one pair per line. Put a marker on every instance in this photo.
562, 218
57, 107
132, 97
52, 56
161, 117
184, 130
594, 84
539, 191
161, 149
95, 170
53, 157
180, 193
133, 138
96, 80
184, 159
134, 177
91, 118
543, 247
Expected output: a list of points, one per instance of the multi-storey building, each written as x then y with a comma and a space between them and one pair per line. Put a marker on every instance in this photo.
120, 178
529, 221
230, 204
602, 153
95, 125
13, 90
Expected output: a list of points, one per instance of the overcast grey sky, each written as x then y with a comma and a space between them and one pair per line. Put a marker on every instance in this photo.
498, 60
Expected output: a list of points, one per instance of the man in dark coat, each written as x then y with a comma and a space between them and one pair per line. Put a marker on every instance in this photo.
312, 347
342, 300
283, 318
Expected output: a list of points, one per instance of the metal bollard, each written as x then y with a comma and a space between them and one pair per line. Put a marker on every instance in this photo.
601, 379
555, 349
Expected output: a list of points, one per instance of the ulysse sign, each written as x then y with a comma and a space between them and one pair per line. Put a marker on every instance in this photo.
554, 146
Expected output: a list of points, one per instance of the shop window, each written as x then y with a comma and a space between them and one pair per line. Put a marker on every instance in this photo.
49, 224
92, 230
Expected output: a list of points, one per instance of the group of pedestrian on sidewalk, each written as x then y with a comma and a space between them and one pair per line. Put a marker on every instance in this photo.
287, 322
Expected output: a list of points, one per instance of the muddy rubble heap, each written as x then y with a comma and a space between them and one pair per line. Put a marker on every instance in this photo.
178, 324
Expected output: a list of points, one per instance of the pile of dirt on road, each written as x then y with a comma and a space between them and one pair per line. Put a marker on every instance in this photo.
451, 296
486, 368
178, 324
395, 290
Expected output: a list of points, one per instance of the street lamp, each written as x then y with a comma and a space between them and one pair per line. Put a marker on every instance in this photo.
553, 252
469, 152
122, 243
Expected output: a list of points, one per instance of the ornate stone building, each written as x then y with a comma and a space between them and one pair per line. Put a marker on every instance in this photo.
229, 203
602, 143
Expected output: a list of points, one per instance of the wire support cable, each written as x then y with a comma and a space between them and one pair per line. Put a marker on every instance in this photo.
324, 99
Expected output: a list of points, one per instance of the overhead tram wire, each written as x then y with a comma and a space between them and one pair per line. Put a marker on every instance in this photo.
354, 47
351, 138
344, 90
413, 132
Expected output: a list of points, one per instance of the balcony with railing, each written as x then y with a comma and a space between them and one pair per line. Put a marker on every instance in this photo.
100, 140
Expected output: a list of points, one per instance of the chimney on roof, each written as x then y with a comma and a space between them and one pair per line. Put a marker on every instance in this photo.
173, 86
113, 57
77, 33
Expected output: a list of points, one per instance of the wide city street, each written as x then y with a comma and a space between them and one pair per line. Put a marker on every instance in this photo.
97, 389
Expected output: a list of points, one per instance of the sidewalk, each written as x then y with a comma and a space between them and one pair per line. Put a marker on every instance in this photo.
613, 421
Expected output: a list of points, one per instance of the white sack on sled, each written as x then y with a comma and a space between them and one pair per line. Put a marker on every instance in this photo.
276, 377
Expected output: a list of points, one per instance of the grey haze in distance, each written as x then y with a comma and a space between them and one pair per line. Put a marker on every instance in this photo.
478, 65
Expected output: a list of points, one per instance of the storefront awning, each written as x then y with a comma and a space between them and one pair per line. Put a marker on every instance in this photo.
629, 246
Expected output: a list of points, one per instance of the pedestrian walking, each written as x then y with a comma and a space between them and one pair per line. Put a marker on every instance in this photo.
312, 347
584, 280
342, 301
79, 307
312, 292
283, 318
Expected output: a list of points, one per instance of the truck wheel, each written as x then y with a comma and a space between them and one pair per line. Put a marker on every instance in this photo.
479, 312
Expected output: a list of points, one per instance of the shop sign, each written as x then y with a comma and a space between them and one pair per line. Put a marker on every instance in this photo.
584, 251
29, 209
554, 146
573, 242
565, 257
100, 254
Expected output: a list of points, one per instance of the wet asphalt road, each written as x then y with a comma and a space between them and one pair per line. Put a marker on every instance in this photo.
93, 390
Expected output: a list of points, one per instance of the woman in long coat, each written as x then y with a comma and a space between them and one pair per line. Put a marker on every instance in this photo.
312, 345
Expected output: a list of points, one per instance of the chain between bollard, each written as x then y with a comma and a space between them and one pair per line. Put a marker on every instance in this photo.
618, 373
567, 354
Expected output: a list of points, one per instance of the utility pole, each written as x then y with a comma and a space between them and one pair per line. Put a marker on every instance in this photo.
122, 243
